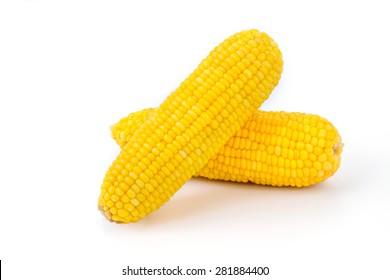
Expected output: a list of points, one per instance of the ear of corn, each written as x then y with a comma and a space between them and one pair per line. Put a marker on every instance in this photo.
271, 148
190, 126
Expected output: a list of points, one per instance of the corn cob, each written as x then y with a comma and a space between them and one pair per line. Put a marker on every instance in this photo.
271, 148
191, 125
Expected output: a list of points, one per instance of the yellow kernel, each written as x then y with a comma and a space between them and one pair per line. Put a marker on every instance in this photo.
134, 201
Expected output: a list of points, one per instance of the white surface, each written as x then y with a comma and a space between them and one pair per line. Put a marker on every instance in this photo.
69, 69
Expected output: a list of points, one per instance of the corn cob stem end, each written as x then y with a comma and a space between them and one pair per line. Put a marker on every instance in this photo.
338, 148
107, 215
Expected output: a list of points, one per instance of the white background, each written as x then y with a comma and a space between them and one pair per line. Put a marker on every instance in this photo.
69, 69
